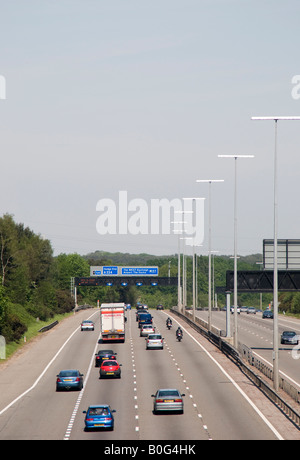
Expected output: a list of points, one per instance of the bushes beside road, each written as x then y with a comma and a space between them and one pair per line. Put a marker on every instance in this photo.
34, 285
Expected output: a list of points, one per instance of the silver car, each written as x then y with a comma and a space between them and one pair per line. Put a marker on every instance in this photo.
147, 329
154, 341
168, 399
87, 325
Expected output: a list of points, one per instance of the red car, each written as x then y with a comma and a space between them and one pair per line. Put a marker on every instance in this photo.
110, 368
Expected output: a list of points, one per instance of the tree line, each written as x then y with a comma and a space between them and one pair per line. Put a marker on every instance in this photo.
35, 284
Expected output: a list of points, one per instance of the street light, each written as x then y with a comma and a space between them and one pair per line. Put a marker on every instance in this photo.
183, 261
194, 280
178, 276
209, 181
214, 296
184, 273
235, 157
275, 268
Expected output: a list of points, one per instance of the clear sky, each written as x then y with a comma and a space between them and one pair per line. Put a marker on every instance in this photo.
142, 96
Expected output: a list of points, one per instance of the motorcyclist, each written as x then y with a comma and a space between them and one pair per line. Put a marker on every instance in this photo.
179, 332
169, 322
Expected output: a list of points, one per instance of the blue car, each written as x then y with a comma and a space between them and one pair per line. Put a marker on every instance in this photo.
69, 379
99, 416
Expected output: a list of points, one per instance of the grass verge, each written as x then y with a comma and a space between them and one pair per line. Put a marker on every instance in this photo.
32, 332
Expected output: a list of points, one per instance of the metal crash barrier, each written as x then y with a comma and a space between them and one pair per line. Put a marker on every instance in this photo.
247, 361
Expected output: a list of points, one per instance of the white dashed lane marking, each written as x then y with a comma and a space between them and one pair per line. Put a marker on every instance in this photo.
188, 390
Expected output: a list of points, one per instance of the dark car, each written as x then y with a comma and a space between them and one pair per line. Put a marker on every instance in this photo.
69, 379
99, 416
159, 307
144, 318
140, 312
267, 314
102, 355
289, 337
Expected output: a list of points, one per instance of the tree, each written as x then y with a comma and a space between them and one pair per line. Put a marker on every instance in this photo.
67, 266
8, 244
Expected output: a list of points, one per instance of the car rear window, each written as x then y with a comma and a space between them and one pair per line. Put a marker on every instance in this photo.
168, 393
109, 363
154, 336
68, 373
98, 411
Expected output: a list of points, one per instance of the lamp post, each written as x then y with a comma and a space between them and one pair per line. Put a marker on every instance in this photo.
183, 213
209, 181
275, 268
194, 280
260, 294
196, 274
179, 275
214, 296
235, 157
184, 273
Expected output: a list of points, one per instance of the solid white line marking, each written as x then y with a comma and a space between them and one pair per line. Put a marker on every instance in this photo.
261, 415
44, 371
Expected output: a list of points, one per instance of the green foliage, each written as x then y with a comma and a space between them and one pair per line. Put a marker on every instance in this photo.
67, 266
13, 322
168, 296
30, 287
289, 302
35, 285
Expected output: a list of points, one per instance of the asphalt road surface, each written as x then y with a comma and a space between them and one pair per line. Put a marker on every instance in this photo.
219, 403
257, 334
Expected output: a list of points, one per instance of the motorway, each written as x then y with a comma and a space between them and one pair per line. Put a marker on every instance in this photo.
257, 334
220, 402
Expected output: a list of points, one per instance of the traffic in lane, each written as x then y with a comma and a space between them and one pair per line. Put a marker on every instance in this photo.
257, 333
221, 406
213, 406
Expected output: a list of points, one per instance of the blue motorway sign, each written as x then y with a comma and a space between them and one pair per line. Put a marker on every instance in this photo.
104, 271
108, 271
123, 271
139, 271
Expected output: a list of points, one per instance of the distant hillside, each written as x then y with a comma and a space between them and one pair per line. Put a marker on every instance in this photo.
168, 264
252, 259
119, 258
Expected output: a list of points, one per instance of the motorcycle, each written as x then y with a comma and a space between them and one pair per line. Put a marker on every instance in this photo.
179, 336
169, 325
